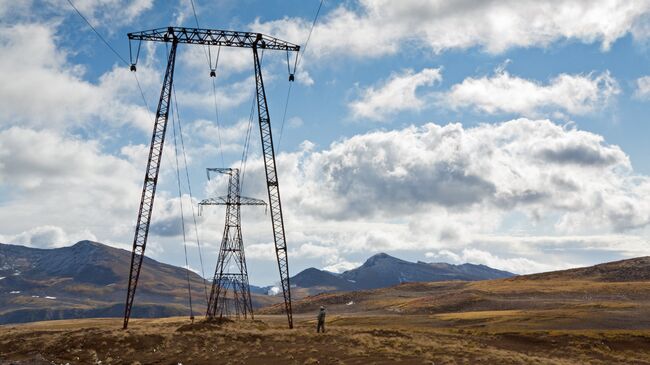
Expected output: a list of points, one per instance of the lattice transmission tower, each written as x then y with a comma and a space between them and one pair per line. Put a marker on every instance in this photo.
230, 275
211, 37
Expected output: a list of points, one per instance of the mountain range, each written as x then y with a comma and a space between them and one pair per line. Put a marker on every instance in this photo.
88, 279
383, 270
605, 296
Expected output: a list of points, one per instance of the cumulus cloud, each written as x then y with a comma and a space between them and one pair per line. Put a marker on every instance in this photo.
231, 60
373, 28
261, 251
517, 265
503, 93
169, 214
396, 94
212, 137
342, 266
64, 182
227, 96
107, 12
47, 237
642, 88
45, 91
517, 163
437, 187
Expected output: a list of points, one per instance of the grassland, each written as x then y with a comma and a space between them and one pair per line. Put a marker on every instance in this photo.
350, 339
598, 315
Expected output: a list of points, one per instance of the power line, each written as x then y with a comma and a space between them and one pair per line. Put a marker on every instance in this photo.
176, 120
313, 24
144, 99
214, 88
194, 11
96, 32
304, 48
189, 189
216, 113
244, 158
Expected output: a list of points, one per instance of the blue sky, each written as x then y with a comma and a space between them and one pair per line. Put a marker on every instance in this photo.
506, 133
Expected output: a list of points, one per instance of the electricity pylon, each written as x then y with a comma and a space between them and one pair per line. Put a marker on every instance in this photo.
231, 273
210, 37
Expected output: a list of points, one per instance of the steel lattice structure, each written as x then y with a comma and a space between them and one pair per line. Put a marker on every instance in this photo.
255, 41
150, 182
231, 273
275, 206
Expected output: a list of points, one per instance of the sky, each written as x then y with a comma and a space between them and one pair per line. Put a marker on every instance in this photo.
510, 133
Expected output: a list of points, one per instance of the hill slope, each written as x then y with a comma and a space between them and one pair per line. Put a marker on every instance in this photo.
89, 279
611, 295
636, 269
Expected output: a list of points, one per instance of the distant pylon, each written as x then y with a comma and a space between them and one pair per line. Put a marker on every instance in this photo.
231, 274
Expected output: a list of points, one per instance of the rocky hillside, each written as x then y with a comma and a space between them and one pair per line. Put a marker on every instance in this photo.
637, 269
89, 279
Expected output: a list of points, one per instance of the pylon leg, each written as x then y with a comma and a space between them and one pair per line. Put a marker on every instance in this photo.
150, 182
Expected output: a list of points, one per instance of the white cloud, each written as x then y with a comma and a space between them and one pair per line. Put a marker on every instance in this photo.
503, 93
396, 94
372, 28
416, 169
517, 265
228, 96
212, 137
44, 90
261, 251
59, 180
310, 250
295, 122
107, 12
342, 266
231, 60
12, 9
642, 88
449, 188
47, 237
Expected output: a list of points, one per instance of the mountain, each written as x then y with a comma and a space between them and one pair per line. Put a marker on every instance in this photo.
89, 279
382, 270
321, 280
610, 295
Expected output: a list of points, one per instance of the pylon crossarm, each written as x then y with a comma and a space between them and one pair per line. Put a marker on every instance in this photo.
223, 200
213, 37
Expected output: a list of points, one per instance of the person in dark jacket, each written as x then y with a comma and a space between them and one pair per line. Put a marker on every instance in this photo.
321, 320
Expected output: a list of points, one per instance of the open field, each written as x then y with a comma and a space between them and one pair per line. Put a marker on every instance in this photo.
463, 338
596, 315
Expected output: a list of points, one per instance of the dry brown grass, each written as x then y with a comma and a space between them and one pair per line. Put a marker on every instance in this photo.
350, 339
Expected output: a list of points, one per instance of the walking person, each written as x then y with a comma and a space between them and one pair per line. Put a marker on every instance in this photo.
321, 320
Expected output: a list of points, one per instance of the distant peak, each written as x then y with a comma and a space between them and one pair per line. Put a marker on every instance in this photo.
87, 243
377, 258
311, 269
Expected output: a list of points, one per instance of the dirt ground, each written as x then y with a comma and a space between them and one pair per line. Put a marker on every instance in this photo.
350, 339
